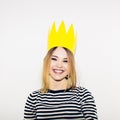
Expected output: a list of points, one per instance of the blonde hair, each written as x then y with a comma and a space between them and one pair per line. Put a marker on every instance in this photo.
46, 66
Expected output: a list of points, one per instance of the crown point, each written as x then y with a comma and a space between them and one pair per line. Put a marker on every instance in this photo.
61, 31
62, 27
53, 29
71, 29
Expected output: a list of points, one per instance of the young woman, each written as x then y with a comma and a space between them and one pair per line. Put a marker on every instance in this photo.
60, 98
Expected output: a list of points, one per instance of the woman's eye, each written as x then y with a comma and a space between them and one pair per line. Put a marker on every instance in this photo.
54, 59
65, 60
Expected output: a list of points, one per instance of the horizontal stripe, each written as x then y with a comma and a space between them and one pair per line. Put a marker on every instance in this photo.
76, 103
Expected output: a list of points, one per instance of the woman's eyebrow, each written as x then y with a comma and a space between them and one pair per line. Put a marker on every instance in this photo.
54, 56
65, 58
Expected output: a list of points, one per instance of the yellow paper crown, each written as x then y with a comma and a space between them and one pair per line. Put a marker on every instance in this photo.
62, 38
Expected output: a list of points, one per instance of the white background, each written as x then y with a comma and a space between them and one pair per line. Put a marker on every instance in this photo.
24, 27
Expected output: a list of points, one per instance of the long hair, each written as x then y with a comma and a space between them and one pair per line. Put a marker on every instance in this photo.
46, 66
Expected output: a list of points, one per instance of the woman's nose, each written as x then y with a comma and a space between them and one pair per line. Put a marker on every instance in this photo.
59, 64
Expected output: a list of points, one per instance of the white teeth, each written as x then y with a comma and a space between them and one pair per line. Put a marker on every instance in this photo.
58, 71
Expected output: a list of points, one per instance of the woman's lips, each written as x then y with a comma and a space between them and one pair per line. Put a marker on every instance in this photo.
58, 71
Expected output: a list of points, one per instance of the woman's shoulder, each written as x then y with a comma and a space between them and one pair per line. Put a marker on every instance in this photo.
84, 93
81, 89
34, 94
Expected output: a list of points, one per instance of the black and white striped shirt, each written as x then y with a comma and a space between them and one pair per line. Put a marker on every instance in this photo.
59, 105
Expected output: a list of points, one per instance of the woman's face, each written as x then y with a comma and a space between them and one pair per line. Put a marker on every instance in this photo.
59, 64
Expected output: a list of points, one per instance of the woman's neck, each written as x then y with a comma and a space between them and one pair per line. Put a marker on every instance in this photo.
57, 85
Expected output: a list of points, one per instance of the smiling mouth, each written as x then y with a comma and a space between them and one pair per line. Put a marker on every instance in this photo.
58, 71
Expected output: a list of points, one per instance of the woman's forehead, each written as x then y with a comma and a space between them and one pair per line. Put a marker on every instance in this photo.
60, 52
